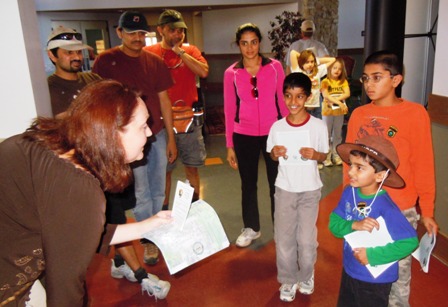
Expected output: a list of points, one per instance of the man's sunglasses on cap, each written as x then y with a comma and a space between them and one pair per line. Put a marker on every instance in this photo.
68, 36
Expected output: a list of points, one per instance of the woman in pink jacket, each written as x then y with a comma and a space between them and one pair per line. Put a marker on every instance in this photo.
253, 101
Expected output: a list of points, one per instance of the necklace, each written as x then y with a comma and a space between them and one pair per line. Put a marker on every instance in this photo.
168, 61
361, 207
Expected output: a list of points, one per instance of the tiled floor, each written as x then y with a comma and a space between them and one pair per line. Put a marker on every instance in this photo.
247, 277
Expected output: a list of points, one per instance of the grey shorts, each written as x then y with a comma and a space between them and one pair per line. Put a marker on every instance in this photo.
190, 149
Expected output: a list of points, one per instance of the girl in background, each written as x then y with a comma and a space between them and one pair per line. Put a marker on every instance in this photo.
253, 101
335, 90
306, 62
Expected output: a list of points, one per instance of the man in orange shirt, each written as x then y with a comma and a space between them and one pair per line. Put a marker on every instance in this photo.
185, 62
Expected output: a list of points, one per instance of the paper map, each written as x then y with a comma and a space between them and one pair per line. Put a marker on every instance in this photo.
202, 236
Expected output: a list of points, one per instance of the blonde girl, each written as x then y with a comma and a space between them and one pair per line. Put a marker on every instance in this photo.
306, 63
335, 90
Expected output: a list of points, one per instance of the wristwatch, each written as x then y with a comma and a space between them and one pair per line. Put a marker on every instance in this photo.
181, 52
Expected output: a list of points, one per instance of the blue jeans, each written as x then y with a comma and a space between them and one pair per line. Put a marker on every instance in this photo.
316, 112
150, 179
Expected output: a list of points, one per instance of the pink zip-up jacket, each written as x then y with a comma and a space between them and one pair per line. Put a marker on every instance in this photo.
246, 114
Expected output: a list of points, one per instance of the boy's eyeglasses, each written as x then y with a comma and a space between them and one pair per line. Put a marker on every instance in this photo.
68, 36
253, 82
375, 79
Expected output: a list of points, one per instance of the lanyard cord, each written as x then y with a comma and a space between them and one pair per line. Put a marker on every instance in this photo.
365, 211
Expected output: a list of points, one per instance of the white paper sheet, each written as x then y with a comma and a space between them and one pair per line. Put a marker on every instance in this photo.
202, 236
424, 250
182, 203
293, 141
375, 238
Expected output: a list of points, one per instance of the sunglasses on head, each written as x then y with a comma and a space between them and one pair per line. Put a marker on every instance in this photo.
68, 36
253, 82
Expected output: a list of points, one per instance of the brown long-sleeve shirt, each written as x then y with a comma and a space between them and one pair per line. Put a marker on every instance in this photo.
51, 220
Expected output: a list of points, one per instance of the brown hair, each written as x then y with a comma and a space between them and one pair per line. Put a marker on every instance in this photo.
303, 57
91, 128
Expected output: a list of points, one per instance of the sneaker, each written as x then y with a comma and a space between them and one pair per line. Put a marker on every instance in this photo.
288, 292
151, 253
155, 287
337, 160
122, 271
307, 287
327, 162
246, 237
320, 166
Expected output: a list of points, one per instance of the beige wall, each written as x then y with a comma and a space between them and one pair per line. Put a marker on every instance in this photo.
440, 132
440, 137
22, 96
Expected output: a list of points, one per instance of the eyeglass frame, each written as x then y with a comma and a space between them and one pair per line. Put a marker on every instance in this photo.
375, 78
254, 91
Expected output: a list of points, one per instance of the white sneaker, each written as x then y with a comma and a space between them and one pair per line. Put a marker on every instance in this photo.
155, 287
320, 166
122, 271
246, 237
288, 292
307, 287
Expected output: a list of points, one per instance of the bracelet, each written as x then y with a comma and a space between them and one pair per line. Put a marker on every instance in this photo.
181, 52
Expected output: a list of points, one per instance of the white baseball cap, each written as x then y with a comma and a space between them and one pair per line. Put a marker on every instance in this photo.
308, 26
66, 38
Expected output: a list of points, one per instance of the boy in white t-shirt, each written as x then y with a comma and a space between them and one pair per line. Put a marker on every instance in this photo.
298, 141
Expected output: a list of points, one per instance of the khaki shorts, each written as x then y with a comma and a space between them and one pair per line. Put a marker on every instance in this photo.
190, 149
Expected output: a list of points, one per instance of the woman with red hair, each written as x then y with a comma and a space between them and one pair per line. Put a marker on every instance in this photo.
52, 183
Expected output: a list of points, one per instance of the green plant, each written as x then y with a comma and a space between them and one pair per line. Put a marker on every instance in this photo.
285, 30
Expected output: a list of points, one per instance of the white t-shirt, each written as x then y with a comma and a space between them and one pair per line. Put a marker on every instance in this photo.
300, 178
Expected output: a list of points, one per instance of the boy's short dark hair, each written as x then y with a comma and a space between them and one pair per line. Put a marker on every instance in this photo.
297, 79
388, 60
377, 165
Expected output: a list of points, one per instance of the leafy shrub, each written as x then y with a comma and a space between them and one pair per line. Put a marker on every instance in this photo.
285, 30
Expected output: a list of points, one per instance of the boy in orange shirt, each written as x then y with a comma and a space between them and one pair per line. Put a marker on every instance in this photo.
406, 124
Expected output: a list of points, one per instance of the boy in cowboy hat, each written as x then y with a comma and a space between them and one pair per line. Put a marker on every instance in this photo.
372, 163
